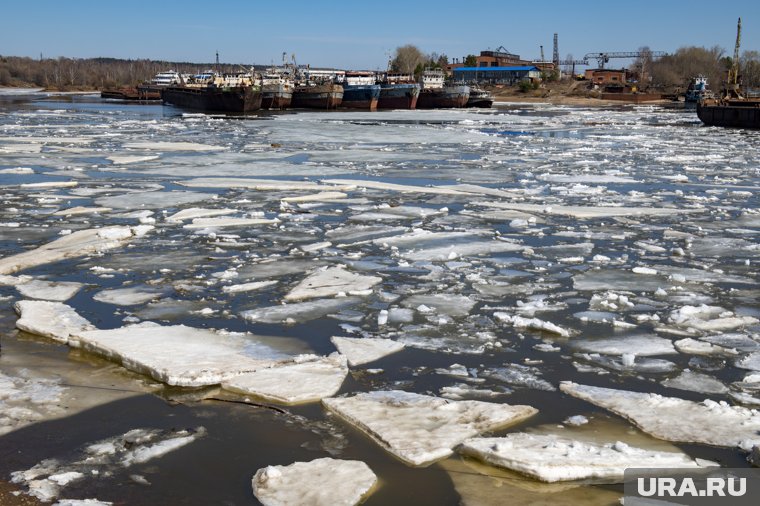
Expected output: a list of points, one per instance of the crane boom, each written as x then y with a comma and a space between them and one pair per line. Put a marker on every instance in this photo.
603, 58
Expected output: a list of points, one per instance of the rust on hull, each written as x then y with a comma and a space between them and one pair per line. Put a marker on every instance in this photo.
228, 99
323, 96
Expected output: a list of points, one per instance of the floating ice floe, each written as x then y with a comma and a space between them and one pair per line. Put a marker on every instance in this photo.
420, 429
25, 399
696, 382
380, 185
50, 184
751, 362
229, 222
129, 296
332, 281
360, 351
76, 244
520, 322
552, 457
248, 287
57, 291
48, 478
673, 419
518, 375
592, 212
259, 184
300, 311
51, 319
442, 303
127, 159
74, 211
693, 347
640, 345
180, 355
309, 379
173, 146
321, 482
152, 199
706, 318
317, 197
197, 212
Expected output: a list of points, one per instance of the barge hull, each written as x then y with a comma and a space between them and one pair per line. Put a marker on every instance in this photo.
234, 99
730, 115
398, 96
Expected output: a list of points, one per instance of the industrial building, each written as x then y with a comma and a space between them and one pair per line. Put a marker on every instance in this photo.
497, 75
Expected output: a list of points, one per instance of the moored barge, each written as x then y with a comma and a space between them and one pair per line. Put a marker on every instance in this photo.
435, 94
326, 95
210, 92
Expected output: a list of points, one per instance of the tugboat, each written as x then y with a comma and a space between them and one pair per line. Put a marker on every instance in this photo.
733, 109
212, 92
398, 91
479, 98
276, 90
697, 90
436, 94
360, 91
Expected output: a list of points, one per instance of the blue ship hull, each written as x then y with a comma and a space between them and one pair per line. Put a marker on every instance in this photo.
361, 96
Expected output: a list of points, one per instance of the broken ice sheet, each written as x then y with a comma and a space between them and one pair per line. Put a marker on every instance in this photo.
360, 351
696, 382
76, 244
321, 482
332, 281
420, 429
129, 296
640, 345
309, 379
673, 419
518, 375
47, 479
299, 312
180, 355
555, 457
55, 320
442, 303
26, 399
43, 289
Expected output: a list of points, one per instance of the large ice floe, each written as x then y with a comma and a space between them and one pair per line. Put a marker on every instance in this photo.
552, 457
420, 429
55, 320
673, 419
332, 281
321, 482
359, 351
76, 244
308, 379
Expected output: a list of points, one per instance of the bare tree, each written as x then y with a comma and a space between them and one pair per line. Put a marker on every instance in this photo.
750, 69
407, 58
677, 69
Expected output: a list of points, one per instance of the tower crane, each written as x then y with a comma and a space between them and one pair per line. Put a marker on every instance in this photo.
603, 58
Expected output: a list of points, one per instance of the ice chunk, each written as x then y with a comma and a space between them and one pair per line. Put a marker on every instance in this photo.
25, 399
127, 159
751, 362
696, 382
152, 199
58, 291
360, 351
520, 376
448, 304
229, 222
180, 355
694, 347
551, 458
380, 185
74, 211
592, 212
51, 319
321, 482
706, 318
197, 212
129, 296
300, 311
641, 345
173, 146
248, 287
309, 379
420, 429
674, 419
331, 281
77, 244
521, 322
259, 184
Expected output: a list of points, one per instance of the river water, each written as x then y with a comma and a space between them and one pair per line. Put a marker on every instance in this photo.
620, 230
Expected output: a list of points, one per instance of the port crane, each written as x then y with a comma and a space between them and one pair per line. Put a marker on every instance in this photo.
603, 58
732, 86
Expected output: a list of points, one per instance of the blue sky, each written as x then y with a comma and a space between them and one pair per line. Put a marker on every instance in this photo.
359, 33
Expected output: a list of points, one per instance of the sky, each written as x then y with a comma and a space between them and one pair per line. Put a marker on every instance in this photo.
361, 34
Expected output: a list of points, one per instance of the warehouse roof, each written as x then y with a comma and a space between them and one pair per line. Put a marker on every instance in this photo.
495, 69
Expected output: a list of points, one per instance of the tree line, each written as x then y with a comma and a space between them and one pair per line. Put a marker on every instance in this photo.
72, 74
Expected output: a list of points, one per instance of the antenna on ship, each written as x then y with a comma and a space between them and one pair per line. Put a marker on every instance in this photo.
217, 61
